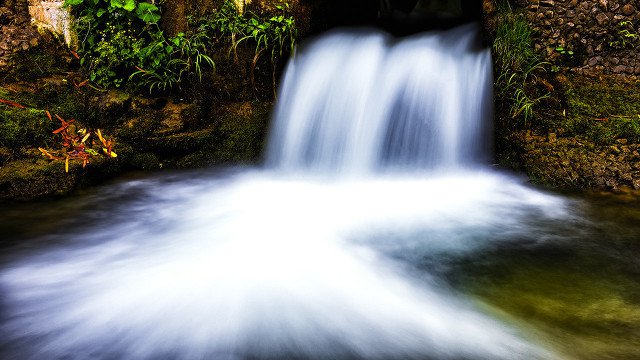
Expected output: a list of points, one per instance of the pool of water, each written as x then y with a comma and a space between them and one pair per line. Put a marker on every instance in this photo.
253, 264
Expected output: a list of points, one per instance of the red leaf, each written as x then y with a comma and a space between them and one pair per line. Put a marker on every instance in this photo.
81, 84
9, 102
62, 128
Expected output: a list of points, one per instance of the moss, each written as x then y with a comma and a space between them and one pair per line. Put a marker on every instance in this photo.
24, 127
30, 179
36, 177
145, 161
242, 132
181, 143
603, 110
139, 127
37, 62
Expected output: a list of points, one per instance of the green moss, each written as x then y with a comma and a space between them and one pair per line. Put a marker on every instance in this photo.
242, 133
30, 179
144, 161
603, 110
35, 63
24, 127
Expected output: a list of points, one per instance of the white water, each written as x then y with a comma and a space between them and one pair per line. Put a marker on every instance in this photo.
314, 257
358, 103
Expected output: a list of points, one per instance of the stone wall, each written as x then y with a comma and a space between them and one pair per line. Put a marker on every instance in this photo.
25, 24
597, 36
16, 34
51, 15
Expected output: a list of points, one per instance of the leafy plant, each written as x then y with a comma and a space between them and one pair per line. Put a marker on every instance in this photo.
96, 15
76, 145
516, 64
171, 60
272, 33
276, 34
626, 37
122, 43
563, 51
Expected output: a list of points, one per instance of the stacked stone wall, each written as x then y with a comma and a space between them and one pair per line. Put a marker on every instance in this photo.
16, 32
597, 36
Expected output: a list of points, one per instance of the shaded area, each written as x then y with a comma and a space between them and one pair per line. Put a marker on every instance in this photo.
400, 17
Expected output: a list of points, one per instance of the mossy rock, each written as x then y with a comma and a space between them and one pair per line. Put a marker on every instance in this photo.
603, 109
44, 60
24, 127
37, 177
31, 179
242, 132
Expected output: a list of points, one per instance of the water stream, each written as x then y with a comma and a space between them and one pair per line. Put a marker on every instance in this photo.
376, 230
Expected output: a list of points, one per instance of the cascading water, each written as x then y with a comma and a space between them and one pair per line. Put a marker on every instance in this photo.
358, 102
299, 260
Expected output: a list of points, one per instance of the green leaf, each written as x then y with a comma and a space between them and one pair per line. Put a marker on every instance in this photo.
100, 12
72, 2
128, 5
148, 13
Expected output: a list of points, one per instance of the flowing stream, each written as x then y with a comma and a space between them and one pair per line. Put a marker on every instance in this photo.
376, 230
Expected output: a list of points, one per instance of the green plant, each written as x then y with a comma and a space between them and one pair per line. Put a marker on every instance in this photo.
516, 64
276, 34
563, 51
168, 61
626, 36
121, 43
272, 33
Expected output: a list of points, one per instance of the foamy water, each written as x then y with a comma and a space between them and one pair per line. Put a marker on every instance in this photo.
375, 163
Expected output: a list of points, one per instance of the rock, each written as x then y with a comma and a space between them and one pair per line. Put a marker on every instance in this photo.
619, 69
173, 120
602, 19
628, 10
112, 103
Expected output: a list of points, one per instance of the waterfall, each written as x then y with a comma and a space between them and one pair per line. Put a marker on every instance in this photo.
364, 102
298, 260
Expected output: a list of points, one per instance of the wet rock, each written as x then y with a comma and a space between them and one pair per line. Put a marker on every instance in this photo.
628, 10
602, 19
619, 69
175, 117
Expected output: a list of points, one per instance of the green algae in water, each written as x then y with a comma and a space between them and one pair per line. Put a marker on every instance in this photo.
583, 294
